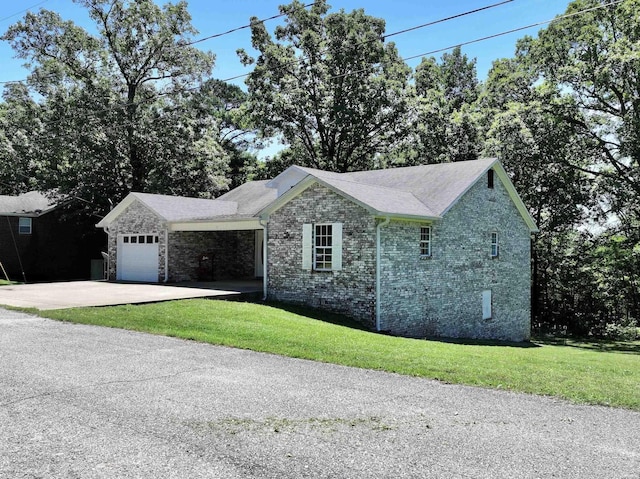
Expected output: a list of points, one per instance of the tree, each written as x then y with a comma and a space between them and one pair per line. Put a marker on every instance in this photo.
19, 125
329, 85
443, 113
593, 59
114, 104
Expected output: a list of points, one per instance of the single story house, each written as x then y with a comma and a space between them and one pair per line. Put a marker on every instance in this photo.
40, 241
432, 250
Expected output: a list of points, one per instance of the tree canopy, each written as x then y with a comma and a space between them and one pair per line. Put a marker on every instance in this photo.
329, 84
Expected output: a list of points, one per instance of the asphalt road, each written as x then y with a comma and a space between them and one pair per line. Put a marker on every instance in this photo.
89, 402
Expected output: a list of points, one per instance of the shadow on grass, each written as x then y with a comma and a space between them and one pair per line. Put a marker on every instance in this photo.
486, 342
319, 314
609, 346
341, 320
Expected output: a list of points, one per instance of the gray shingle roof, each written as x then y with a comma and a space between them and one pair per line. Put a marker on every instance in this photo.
425, 191
180, 208
436, 186
250, 197
32, 203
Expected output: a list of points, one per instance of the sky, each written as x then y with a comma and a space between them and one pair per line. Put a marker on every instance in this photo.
211, 17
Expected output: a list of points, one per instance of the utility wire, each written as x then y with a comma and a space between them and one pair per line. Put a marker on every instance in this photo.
424, 25
560, 17
489, 37
200, 40
233, 30
406, 30
384, 37
22, 11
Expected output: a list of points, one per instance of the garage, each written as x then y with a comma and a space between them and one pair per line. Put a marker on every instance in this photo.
138, 257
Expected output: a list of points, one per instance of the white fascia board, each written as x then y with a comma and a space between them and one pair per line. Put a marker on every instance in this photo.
417, 219
118, 210
310, 180
511, 191
209, 225
515, 197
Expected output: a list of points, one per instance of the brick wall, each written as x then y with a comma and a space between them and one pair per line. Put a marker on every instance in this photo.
351, 290
436, 296
442, 295
233, 252
137, 218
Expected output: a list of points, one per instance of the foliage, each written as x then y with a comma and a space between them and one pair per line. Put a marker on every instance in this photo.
329, 85
443, 125
122, 110
574, 371
594, 60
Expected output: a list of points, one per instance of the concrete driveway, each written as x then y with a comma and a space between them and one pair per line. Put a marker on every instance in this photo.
89, 402
75, 294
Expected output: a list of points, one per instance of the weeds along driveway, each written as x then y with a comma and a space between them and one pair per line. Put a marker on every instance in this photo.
91, 402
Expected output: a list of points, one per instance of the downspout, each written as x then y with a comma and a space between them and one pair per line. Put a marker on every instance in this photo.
166, 254
378, 269
264, 223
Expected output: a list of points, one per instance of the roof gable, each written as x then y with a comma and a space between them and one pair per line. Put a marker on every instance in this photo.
425, 191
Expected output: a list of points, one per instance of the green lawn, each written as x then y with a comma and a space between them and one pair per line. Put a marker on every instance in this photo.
592, 373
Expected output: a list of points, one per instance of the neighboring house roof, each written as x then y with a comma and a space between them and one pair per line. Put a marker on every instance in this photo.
32, 204
423, 192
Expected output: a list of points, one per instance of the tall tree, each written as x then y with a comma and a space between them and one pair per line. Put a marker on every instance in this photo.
329, 85
593, 58
104, 92
443, 113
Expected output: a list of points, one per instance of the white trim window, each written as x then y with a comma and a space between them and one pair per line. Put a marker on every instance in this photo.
322, 246
25, 226
425, 241
495, 247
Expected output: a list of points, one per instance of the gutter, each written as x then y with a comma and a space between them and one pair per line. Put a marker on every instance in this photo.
166, 254
378, 268
265, 226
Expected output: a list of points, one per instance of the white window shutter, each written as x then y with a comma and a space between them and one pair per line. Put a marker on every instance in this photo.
486, 304
336, 250
307, 243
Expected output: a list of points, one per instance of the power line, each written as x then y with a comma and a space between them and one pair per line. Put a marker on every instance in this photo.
200, 40
489, 37
233, 30
22, 11
417, 27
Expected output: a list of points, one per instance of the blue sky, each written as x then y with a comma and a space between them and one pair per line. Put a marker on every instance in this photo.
211, 17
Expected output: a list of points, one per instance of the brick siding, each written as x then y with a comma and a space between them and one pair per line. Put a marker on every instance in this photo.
436, 296
351, 290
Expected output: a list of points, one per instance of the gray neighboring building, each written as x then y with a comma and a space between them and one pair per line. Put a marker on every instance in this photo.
433, 250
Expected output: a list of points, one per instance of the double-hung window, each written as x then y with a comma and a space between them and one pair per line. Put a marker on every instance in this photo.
425, 241
24, 226
322, 246
495, 250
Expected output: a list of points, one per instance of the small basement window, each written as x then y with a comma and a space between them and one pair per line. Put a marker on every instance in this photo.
24, 226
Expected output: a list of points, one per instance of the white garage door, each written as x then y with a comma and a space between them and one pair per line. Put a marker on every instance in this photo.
138, 258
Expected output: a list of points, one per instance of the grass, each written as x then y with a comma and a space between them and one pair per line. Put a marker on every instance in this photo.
582, 372
4, 282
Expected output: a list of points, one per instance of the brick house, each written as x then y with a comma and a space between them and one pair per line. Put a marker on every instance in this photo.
431, 250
